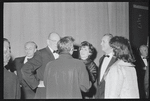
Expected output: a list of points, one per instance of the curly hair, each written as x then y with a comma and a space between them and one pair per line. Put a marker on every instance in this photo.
89, 45
122, 49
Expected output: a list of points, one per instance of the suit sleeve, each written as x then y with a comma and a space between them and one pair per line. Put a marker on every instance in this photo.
146, 81
29, 70
93, 72
84, 82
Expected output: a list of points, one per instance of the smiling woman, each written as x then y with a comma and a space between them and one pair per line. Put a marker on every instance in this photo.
86, 50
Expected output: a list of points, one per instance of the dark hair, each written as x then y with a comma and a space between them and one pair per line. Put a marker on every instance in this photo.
89, 45
65, 44
122, 48
4, 39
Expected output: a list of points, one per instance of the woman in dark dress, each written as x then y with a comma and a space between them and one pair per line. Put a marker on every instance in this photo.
86, 51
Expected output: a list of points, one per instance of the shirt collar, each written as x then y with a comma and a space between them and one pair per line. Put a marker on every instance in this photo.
110, 54
28, 57
51, 49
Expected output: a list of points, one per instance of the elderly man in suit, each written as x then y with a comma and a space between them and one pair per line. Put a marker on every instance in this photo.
141, 67
33, 70
104, 63
30, 48
66, 76
11, 83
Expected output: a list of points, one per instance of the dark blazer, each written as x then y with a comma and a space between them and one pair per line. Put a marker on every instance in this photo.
146, 81
27, 92
33, 70
11, 85
64, 78
140, 74
18, 63
92, 71
101, 85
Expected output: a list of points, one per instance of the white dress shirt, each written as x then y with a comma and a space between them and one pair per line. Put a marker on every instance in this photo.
145, 62
26, 59
105, 64
56, 55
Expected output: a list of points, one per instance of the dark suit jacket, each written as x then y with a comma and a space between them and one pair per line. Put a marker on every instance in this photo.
139, 65
26, 91
18, 63
64, 78
33, 70
101, 85
11, 85
146, 81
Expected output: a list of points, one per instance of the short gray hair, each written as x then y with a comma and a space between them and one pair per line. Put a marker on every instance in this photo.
65, 44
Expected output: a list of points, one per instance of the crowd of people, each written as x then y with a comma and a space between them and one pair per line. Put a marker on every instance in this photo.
53, 73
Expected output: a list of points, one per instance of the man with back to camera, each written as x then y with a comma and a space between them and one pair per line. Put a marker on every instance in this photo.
66, 76
33, 70
104, 63
30, 48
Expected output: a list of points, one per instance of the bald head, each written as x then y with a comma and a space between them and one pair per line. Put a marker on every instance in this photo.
143, 50
52, 40
53, 36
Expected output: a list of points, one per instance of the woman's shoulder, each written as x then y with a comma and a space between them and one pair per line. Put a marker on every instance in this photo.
121, 63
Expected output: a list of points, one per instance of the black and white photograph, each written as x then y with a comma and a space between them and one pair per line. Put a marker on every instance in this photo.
76, 50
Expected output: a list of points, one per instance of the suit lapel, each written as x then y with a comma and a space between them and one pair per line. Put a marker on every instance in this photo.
50, 53
142, 62
112, 61
19, 63
99, 69
22, 60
